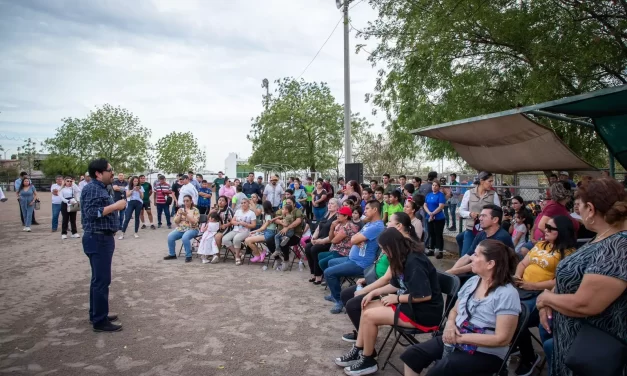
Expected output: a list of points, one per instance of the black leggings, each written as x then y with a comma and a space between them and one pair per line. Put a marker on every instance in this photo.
67, 217
352, 304
436, 234
459, 363
308, 210
312, 251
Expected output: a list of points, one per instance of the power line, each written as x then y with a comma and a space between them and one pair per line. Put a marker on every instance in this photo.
323, 44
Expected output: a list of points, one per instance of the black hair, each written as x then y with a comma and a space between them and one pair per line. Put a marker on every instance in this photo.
374, 181
505, 262
418, 178
405, 221
396, 194
453, 175
410, 188
22, 183
238, 188
403, 176
495, 211
519, 199
190, 172
419, 199
141, 176
199, 176
290, 191
190, 199
320, 180
357, 208
553, 176
369, 190
251, 173
374, 204
204, 181
432, 175
24, 173
214, 215
340, 179
414, 205
379, 189
292, 199
130, 182
386, 175
97, 165
565, 235
397, 247
267, 207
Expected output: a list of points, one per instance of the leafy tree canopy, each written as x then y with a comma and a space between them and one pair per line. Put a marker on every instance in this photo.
445, 60
108, 132
178, 152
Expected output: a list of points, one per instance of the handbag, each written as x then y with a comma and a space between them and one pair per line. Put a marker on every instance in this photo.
37, 204
71, 208
527, 294
370, 274
596, 352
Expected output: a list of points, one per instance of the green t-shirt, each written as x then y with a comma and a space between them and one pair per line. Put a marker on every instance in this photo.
217, 183
309, 189
147, 191
381, 266
391, 209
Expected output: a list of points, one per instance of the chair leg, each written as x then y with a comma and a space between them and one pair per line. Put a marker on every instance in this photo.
387, 359
385, 340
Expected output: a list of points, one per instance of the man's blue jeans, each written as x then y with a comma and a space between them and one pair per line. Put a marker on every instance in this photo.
121, 216
187, 237
464, 240
338, 268
325, 257
99, 249
56, 211
163, 208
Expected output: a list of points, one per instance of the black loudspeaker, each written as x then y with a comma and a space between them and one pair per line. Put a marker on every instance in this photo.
355, 171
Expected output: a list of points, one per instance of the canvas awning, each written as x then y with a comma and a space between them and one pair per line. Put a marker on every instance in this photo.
510, 141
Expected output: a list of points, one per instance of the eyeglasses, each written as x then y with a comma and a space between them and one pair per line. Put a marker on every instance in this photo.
548, 227
109, 170
68, 181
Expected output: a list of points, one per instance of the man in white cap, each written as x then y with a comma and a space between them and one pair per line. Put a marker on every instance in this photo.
565, 177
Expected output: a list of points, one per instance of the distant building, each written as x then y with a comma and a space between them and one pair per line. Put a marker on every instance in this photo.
236, 167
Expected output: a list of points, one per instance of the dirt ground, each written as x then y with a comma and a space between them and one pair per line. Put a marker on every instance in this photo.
179, 319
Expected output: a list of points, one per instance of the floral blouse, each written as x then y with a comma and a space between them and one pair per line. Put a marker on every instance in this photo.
184, 224
344, 247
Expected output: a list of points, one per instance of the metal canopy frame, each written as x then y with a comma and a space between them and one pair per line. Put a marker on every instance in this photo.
545, 110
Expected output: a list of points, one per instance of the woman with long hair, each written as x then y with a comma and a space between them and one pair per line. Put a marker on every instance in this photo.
320, 241
68, 197
413, 290
434, 207
560, 197
27, 196
243, 221
481, 325
134, 205
590, 284
535, 273
320, 201
226, 214
411, 208
186, 218
228, 191
265, 233
352, 191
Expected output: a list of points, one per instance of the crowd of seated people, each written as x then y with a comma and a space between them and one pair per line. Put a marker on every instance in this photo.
509, 257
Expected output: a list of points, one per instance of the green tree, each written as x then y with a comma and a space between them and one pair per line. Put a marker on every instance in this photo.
179, 152
302, 127
108, 132
28, 154
449, 59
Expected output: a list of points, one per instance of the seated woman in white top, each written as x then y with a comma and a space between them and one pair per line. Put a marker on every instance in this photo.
243, 222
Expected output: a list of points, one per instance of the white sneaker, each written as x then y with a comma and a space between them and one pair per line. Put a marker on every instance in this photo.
215, 259
121, 236
136, 236
76, 236
27, 229
205, 261
63, 236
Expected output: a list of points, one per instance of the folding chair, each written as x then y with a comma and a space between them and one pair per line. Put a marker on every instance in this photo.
195, 241
523, 319
299, 253
449, 285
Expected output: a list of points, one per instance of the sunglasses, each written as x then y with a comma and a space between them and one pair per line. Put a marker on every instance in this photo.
549, 228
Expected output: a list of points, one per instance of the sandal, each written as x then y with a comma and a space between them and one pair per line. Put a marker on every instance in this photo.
312, 279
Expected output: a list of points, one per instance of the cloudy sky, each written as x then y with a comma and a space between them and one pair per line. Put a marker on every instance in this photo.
185, 65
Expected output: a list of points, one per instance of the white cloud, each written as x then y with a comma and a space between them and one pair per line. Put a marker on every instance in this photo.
177, 65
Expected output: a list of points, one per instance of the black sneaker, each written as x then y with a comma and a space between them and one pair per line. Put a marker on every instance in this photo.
188, 259
439, 255
366, 365
159, 225
143, 227
110, 318
429, 252
350, 337
153, 227
168, 257
107, 327
349, 358
525, 368
452, 228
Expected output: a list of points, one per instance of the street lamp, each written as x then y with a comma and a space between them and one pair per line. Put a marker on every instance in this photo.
5, 153
347, 83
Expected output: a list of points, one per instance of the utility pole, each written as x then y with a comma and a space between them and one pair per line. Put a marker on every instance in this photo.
266, 84
348, 153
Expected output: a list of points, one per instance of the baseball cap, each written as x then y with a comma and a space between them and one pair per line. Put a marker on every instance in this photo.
564, 173
345, 211
161, 176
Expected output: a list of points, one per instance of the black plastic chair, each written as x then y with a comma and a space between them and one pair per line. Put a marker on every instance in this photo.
449, 285
523, 320
196, 239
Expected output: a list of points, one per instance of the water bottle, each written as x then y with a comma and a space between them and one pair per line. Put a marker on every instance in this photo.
359, 287
300, 265
448, 349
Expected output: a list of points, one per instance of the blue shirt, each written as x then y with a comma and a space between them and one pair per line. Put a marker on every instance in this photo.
203, 201
298, 205
501, 235
94, 198
196, 184
249, 188
433, 200
365, 255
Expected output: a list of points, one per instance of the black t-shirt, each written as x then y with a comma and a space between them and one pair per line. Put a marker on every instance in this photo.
506, 224
316, 197
176, 187
120, 195
420, 278
324, 226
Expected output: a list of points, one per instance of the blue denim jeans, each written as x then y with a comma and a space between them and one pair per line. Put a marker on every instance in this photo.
134, 208
446, 218
464, 240
269, 235
340, 267
187, 237
548, 352
99, 249
56, 211
452, 208
425, 226
163, 208
319, 213
325, 257
278, 237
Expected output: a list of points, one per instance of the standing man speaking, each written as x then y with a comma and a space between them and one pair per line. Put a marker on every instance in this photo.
99, 214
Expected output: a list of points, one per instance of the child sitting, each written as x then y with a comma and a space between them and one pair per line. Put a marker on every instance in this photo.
208, 246
518, 235
286, 219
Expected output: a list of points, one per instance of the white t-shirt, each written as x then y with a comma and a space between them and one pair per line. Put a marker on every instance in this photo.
56, 199
188, 190
248, 217
520, 228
